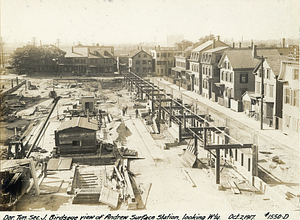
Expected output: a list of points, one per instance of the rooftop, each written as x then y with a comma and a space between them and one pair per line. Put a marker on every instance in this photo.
78, 123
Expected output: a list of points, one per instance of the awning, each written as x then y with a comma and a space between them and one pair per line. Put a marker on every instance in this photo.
255, 96
178, 69
190, 73
92, 66
220, 84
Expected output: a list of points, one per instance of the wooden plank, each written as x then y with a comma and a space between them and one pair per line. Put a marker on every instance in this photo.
53, 164
109, 197
65, 164
234, 187
189, 157
227, 146
189, 177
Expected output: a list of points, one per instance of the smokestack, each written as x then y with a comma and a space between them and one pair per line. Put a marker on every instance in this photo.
218, 37
233, 45
251, 45
213, 44
283, 42
240, 45
254, 51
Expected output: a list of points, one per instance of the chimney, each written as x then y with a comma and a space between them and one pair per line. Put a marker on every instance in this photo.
283, 42
233, 45
218, 37
72, 50
254, 51
240, 45
213, 44
158, 47
97, 44
251, 45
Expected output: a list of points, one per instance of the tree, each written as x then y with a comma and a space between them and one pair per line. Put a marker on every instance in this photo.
182, 45
204, 39
30, 58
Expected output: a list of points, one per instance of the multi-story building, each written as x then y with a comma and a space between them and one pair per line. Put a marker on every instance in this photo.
272, 101
195, 64
96, 60
123, 63
236, 75
289, 75
141, 63
211, 72
179, 74
163, 58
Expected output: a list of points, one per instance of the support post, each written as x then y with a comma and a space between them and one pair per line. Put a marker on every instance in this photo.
152, 101
179, 132
184, 120
170, 115
217, 166
196, 145
33, 174
262, 95
254, 160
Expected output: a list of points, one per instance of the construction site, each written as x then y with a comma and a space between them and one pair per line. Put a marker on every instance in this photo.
132, 143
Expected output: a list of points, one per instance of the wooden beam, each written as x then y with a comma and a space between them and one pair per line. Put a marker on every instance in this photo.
207, 128
187, 116
227, 146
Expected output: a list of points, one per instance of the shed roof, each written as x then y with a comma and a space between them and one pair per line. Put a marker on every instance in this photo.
202, 46
216, 49
274, 63
78, 123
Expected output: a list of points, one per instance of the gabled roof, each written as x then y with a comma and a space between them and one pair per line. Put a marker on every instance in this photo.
216, 49
274, 62
202, 46
137, 52
78, 123
243, 59
69, 53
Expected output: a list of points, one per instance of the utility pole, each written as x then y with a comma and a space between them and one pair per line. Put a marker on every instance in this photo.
262, 94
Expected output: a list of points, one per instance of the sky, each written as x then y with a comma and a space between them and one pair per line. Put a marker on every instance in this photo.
136, 21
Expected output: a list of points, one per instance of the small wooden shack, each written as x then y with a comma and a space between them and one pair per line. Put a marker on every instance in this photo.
76, 136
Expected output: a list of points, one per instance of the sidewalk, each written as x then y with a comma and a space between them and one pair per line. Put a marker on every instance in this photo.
240, 117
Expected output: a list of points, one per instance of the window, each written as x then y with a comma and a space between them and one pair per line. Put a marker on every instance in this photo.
137, 69
268, 75
242, 159
257, 89
149, 62
231, 77
157, 54
296, 74
75, 143
287, 96
244, 78
222, 75
287, 121
144, 62
169, 54
149, 70
296, 98
157, 70
163, 55
228, 65
144, 69
145, 55
271, 89
137, 62
162, 70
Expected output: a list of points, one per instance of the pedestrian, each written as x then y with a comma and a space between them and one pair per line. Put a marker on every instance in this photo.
136, 113
126, 109
123, 111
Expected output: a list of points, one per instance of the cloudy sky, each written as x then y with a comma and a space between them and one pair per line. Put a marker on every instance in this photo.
135, 21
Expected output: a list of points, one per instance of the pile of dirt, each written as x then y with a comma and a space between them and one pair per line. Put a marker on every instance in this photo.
123, 132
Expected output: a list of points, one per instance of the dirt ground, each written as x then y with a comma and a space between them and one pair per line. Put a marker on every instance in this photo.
163, 170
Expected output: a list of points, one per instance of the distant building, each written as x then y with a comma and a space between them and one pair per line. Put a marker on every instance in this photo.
163, 60
236, 75
289, 75
195, 64
76, 136
123, 63
141, 63
94, 60
210, 72
179, 74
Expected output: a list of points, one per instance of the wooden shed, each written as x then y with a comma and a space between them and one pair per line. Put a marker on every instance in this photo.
76, 136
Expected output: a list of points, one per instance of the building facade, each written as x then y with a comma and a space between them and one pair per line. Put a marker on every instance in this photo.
141, 63
289, 75
195, 61
272, 102
163, 58
236, 75
211, 72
